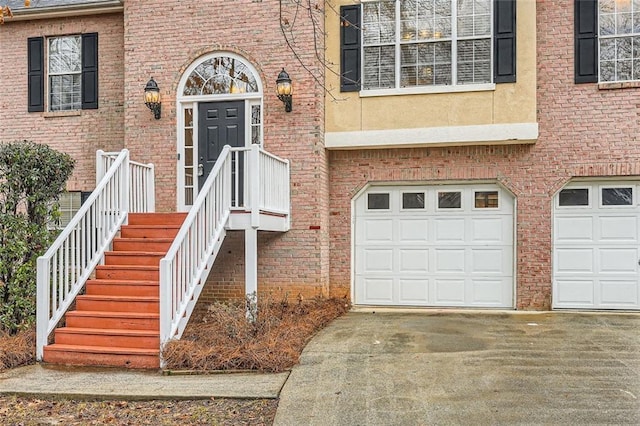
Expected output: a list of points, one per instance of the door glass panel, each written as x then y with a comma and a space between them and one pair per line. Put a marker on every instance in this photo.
486, 199
574, 197
449, 200
188, 156
413, 200
617, 196
256, 124
378, 201
188, 137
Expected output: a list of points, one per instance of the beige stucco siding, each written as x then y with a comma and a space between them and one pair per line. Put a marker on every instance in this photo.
506, 103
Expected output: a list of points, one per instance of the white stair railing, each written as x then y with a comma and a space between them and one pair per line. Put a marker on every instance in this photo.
65, 267
190, 257
274, 198
242, 178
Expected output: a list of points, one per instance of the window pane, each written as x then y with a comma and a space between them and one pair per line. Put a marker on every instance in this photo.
574, 197
220, 75
449, 200
65, 92
379, 67
618, 20
413, 200
617, 196
65, 55
379, 22
486, 200
474, 61
378, 201
188, 117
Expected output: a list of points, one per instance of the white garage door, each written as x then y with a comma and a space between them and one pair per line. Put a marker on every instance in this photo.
596, 246
434, 246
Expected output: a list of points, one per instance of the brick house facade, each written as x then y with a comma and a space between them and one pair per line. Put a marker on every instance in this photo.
332, 139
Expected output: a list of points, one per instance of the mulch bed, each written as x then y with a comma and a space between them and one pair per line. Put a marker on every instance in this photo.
222, 339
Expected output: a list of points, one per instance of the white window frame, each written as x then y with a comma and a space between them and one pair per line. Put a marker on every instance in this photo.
617, 206
615, 35
453, 87
50, 74
416, 209
67, 204
589, 197
446, 191
379, 192
473, 199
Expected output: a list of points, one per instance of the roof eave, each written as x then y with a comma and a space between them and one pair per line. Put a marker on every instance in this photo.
26, 14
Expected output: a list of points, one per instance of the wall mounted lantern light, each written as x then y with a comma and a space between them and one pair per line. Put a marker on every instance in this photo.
152, 98
284, 89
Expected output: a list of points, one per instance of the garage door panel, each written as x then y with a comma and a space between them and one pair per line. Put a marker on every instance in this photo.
449, 292
378, 291
574, 260
618, 260
574, 228
488, 230
449, 230
621, 293
414, 291
618, 228
378, 230
487, 292
414, 260
488, 261
414, 230
575, 292
450, 260
377, 260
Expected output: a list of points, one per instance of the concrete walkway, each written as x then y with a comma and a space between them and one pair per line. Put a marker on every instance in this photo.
431, 368
85, 383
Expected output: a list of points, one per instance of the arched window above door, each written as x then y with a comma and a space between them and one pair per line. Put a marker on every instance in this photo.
220, 75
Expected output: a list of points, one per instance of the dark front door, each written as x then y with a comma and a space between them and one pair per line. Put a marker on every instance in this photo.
220, 124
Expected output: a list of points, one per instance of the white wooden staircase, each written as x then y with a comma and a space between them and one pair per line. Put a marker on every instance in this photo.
134, 275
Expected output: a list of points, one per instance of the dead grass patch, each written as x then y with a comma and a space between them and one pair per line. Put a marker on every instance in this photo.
17, 350
223, 339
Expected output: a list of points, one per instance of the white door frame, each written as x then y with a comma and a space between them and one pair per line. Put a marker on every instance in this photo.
185, 102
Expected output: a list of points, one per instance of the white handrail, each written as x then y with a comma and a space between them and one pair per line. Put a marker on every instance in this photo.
274, 184
188, 260
65, 267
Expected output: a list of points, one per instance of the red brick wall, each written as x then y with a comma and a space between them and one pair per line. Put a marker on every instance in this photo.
584, 131
186, 30
78, 133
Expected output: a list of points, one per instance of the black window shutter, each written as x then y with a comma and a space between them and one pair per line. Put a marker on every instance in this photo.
35, 74
504, 41
586, 41
350, 48
90, 71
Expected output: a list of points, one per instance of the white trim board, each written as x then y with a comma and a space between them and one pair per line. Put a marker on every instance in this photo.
488, 134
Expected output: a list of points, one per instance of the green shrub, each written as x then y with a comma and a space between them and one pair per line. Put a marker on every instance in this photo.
32, 177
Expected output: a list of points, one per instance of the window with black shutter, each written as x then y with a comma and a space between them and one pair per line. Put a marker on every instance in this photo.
71, 69
399, 44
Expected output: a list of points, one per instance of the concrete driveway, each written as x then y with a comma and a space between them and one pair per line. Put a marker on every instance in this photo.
434, 367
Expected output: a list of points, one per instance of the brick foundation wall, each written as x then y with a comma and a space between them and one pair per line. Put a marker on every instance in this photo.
78, 133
